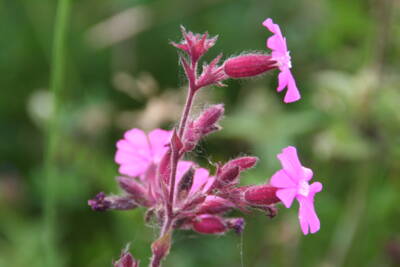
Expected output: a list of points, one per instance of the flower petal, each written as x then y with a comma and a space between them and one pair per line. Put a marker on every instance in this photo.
307, 174
292, 93
209, 183
315, 188
200, 178
286, 196
158, 140
307, 216
283, 80
133, 153
135, 169
291, 164
276, 42
281, 180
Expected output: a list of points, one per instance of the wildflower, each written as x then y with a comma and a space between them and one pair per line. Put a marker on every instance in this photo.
292, 182
137, 151
277, 43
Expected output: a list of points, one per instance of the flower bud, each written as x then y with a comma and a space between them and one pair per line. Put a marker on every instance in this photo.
261, 195
227, 176
205, 124
126, 260
101, 202
160, 248
207, 120
248, 65
243, 163
215, 205
135, 190
229, 173
209, 224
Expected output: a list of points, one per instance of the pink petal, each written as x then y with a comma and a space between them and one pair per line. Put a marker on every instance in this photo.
292, 93
209, 183
315, 188
307, 173
133, 154
286, 196
138, 140
281, 180
276, 42
200, 178
307, 216
158, 140
283, 80
290, 163
133, 170
135, 142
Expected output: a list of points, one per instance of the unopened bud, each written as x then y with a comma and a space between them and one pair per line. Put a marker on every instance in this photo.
126, 260
135, 190
101, 202
215, 205
209, 224
205, 124
160, 248
248, 65
243, 163
227, 176
261, 195
209, 117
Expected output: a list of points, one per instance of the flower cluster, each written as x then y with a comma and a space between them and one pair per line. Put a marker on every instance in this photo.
179, 194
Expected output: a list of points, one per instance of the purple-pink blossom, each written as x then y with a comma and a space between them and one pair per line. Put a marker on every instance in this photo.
292, 182
277, 43
137, 151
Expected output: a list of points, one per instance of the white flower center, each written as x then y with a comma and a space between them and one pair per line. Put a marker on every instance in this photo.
304, 188
284, 61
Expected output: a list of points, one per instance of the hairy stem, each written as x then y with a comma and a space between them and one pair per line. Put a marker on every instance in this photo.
175, 156
53, 132
186, 111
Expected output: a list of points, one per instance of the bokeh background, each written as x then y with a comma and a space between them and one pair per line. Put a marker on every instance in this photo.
104, 66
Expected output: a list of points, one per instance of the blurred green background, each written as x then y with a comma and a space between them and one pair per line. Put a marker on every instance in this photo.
120, 72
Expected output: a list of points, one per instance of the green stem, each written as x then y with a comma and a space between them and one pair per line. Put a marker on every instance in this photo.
50, 158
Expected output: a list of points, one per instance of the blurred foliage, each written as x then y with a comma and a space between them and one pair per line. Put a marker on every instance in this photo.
122, 73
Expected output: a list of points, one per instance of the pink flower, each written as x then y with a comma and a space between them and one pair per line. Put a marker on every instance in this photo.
292, 182
137, 151
277, 43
